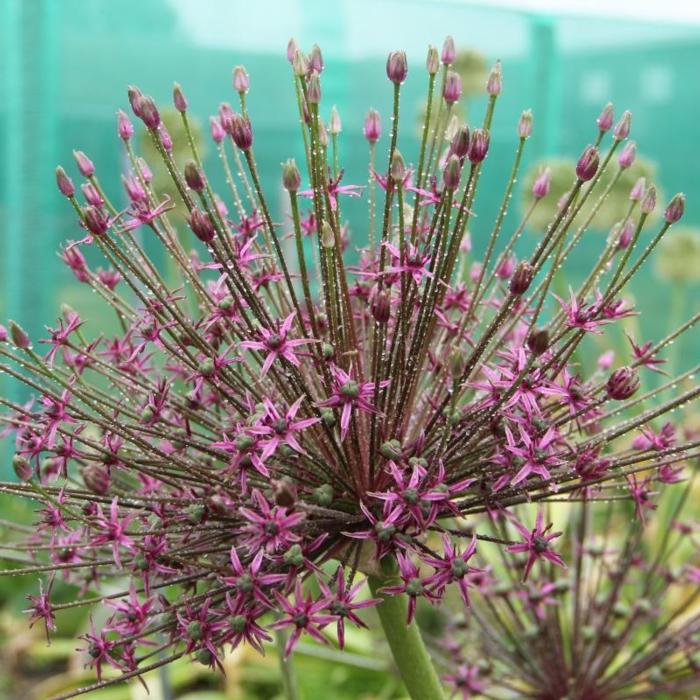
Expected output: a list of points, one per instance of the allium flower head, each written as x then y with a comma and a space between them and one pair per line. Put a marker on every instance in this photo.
278, 419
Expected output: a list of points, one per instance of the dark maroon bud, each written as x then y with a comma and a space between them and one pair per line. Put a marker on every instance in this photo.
96, 478
587, 165
96, 220
381, 308
135, 96
148, 112
397, 67
460, 143
193, 177
19, 337
675, 209
65, 184
623, 383
479, 145
285, 492
241, 131
201, 226
538, 341
452, 172
521, 279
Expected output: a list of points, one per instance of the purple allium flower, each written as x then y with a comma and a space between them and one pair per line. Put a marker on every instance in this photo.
536, 544
276, 411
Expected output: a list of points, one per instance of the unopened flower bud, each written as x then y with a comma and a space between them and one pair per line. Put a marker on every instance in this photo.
525, 124
22, 467
372, 127
85, 165
398, 167
300, 64
648, 203
313, 89
432, 62
381, 307
494, 84
322, 133
453, 87
285, 492
92, 194
145, 171
623, 383
291, 177
521, 279
452, 128
675, 209
625, 234
622, 128
135, 96
315, 59
241, 131
291, 49
201, 226
538, 341
479, 146
334, 124
460, 143
397, 67
638, 190
327, 236
627, 155
148, 112
451, 173
448, 51
193, 177
96, 479
241, 80
19, 337
96, 221
540, 188
65, 184
134, 189
164, 136
605, 120
3, 331
587, 165
217, 131
125, 128
179, 99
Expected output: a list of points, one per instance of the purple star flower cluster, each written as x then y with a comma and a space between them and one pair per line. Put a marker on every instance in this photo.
621, 621
270, 423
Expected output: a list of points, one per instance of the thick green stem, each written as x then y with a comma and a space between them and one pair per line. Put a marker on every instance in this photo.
289, 680
411, 656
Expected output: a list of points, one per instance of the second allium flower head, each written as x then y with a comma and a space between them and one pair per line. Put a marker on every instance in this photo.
275, 418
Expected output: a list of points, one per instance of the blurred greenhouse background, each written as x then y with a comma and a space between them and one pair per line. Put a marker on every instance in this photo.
65, 66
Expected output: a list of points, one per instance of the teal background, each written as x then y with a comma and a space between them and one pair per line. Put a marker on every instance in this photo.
65, 65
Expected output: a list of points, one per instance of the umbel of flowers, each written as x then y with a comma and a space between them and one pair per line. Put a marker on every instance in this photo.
621, 622
274, 426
